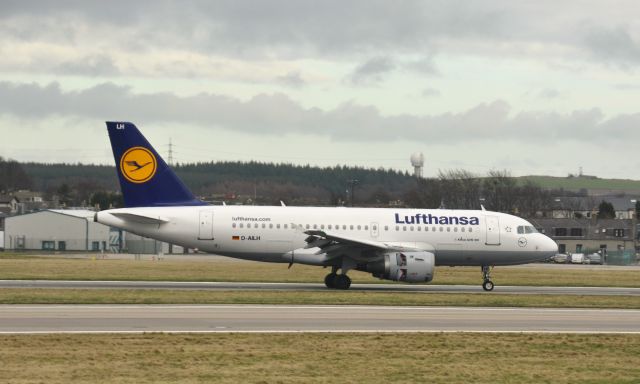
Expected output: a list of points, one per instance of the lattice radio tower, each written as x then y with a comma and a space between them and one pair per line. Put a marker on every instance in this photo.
170, 157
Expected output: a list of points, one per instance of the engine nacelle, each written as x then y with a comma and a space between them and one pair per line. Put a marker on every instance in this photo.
412, 267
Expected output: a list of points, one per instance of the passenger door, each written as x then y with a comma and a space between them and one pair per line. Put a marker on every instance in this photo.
492, 228
206, 225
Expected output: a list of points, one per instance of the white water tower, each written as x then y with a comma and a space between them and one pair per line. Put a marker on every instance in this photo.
417, 161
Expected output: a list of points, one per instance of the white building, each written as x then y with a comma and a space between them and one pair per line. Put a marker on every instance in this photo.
73, 230
56, 230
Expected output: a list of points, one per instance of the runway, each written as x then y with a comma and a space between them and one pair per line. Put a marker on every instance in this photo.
286, 318
239, 286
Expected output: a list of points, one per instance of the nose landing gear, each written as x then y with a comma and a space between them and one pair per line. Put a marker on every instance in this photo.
487, 284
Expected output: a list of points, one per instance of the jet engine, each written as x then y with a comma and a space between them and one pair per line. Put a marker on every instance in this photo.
412, 267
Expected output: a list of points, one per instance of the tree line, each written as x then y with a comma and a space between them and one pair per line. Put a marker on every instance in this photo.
267, 183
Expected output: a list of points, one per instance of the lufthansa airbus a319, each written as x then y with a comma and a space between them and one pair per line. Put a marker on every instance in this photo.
391, 244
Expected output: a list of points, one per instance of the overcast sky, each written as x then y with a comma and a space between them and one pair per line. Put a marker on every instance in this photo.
535, 87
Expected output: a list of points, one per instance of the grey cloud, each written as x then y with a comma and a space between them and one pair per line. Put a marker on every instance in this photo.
292, 79
294, 28
426, 65
614, 45
549, 93
277, 114
94, 65
372, 71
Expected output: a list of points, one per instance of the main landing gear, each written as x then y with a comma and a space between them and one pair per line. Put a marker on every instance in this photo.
487, 284
337, 281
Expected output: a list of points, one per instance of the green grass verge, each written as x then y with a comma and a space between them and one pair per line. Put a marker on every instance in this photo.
320, 358
88, 269
147, 296
577, 183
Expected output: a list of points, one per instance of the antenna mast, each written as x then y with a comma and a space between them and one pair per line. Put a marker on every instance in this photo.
170, 157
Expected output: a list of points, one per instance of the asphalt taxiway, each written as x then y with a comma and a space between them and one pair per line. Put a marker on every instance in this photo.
240, 286
18, 319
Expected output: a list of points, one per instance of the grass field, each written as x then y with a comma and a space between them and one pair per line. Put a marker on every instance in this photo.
329, 297
320, 358
577, 183
87, 269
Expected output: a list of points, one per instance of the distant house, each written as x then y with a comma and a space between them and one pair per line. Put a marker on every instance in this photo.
9, 204
29, 201
588, 235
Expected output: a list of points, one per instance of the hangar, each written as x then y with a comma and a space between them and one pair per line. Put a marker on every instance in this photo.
74, 230
57, 230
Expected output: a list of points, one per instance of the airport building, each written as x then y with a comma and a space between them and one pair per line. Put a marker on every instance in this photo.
73, 230
589, 235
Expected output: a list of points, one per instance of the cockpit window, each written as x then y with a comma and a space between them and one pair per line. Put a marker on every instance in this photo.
522, 229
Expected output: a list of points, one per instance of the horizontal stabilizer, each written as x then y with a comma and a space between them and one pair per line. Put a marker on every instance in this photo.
138, 218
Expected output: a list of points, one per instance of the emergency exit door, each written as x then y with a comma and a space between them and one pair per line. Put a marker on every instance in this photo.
206, 225
492, 224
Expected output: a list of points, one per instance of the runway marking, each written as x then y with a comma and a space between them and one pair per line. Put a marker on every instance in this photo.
311, 307
319, 331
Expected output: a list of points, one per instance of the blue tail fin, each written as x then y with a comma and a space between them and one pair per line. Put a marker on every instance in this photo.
145, 179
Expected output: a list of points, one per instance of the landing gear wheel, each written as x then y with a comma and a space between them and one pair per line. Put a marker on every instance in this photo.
487, 284
342, 282
330, 280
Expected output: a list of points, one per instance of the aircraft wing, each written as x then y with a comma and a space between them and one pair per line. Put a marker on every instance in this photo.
335, 245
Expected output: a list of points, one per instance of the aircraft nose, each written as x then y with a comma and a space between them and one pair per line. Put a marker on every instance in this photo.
549, 246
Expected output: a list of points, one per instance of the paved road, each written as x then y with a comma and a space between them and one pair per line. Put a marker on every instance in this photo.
612, 291
287, 318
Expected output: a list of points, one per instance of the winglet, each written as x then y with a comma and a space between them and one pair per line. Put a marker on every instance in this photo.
145, 179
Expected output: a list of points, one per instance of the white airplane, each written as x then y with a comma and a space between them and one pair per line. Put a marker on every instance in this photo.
391, 244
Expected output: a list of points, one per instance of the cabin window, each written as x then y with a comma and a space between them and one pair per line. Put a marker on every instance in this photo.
307, 226
419, 228
344, 227
329, 227
233, 225
359, 227
270, 225
470, 229
278, 226
386, 227
255, 225
264, 225
411, 228
397, 228
455, 229
441, 229
241, 225
433, 229
315, 226
366, 228
404, 228
286, 226
462, 229
448, 229
351, 227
